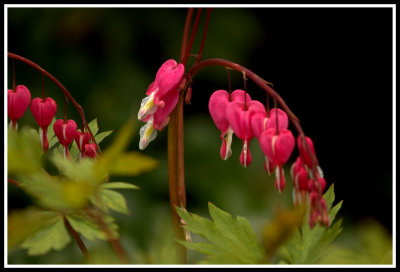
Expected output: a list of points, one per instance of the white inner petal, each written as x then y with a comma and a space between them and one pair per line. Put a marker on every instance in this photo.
147, 134
147, 106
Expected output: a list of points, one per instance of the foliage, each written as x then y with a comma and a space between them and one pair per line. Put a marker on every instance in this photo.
231, 241
77, 191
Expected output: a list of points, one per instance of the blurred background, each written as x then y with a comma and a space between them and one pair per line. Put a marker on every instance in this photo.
332, 66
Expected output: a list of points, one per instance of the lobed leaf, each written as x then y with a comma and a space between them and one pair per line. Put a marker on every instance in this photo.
101, 136
229, 240
52, 236
109, 199
309, 245
94, 127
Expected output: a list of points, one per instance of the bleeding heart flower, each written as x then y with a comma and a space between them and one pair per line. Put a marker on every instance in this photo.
277, 147
65, 132
44, 111
17, 103
217, 105
304, 154
301, 180
90, 150
239, 115
162, 97
318, 210
82, 139
260, 122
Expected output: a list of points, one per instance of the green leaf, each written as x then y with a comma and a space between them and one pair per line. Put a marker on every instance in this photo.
110, 155
100, 137
94, 128
119, 185
308, 245
86, 227
24, 152
51, 137
229, 240
132, 164
23, 223
52, 236
110, 199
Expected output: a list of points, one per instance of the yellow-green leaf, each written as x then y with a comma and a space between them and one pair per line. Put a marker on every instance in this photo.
52, 236
132, 164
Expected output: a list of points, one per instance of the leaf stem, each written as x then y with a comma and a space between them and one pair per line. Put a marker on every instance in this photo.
77, 239
114, 242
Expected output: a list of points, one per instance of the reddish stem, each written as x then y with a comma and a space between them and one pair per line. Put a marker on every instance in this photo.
14, 82
186, 34
43, 94
199, 55
77, 239
194, 30
63, 89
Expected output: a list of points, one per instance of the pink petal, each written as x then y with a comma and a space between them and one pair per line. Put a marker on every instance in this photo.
18, 102
162, 114
284, 146
238, 95
304, 154
43, 110
65, 132
283, 120
217, 105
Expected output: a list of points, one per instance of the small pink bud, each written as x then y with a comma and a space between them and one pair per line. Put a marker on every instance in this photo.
43, 110
304, 154
90, 150
17, 102
65, 132
82, 139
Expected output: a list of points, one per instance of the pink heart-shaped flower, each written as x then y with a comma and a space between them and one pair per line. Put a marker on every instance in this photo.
82, 139
43, 110
277, 147
65, 131
90, 150
283, 120
239, 120
304, 154
17, 102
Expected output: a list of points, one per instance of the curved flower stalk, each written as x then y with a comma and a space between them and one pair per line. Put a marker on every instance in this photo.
162, 97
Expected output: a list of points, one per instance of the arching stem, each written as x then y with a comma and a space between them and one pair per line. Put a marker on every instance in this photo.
63, 89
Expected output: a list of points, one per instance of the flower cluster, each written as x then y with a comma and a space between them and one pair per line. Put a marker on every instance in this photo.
162, 97
236, 113
44, 110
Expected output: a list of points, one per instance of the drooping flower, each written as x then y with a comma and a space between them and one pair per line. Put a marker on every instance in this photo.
44, 111
65, 132
90, 150
17, 103
162, 97
301, 180
261, 122
217, 105
304, 154
81, 139
318, 210
239, 115
277, 146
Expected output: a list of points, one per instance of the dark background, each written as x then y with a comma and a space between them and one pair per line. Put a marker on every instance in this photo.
332, 66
